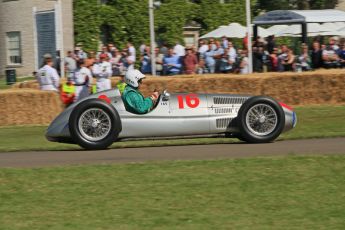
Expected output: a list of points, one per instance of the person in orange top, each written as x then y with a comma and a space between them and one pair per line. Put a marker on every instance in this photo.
67, 92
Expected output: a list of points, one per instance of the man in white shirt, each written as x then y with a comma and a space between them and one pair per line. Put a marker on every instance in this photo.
102, 71
232, 53
179, 50
131, 56
47, 76
203, 47
82, 79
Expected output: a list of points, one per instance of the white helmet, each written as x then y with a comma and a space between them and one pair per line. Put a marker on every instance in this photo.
132, 77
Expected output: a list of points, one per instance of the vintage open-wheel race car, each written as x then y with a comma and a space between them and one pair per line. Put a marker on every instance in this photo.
101, 119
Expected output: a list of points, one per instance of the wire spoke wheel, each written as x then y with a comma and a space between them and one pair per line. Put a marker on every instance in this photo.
94, 124
261, 119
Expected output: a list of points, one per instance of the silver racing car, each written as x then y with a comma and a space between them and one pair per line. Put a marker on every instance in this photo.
101, 119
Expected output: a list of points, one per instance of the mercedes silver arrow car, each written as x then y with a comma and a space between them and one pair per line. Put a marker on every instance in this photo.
101, 119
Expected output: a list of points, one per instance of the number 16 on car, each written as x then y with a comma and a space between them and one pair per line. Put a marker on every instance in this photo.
189, 101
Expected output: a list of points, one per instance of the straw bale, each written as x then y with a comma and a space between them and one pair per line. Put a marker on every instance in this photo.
24, 104
27, 106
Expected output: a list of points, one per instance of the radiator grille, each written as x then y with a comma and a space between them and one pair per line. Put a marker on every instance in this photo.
223, 122
223, 110
229, 100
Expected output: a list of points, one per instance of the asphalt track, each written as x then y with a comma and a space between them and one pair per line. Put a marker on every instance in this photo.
191, 152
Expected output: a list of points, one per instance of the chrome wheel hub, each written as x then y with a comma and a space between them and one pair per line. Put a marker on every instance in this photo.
94, 124
261, 119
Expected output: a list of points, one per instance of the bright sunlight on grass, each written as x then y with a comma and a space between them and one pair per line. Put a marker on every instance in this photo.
259, 193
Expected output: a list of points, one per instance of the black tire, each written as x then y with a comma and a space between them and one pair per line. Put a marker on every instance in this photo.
104, 110
253, 131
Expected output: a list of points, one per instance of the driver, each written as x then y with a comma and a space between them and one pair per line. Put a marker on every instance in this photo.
134, 101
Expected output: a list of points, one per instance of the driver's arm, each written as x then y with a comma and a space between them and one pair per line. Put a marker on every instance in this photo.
138, 103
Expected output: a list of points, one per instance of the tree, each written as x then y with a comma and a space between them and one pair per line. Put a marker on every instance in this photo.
264, 5
214, 14
87, 23
121, 21
171, 17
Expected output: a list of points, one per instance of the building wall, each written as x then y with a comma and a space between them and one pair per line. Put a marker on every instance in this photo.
341, 5
18, 16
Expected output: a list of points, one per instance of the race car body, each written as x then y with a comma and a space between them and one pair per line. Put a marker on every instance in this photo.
99, 120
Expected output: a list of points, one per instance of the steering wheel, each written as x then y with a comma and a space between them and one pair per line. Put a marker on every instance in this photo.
164, 93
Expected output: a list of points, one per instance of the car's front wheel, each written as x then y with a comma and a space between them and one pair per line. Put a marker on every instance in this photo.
260, 119
94, 124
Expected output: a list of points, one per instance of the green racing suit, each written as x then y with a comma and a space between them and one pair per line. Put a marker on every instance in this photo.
135, 102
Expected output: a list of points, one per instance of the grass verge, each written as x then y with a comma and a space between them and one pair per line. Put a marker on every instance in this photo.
313, 122
259, 193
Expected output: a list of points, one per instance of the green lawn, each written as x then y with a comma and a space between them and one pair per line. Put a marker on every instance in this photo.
313, 122
259, 193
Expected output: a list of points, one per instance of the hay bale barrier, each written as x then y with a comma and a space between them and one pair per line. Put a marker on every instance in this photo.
28, 107
24, 104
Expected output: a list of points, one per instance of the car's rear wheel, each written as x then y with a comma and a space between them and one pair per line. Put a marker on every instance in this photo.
94, 124
260, 119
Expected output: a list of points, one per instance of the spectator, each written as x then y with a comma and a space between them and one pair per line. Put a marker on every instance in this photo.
190, 61
257, 59
179, 50
111, 47
265, 58
131, 49
304, 60
201, 66
80, 53
333, 43
67, 92
203, 47
232, 52
142, 48
218, 54
131, 56
212, 42
225, 63
57, 64
104, 51
47, 76
91, 60
82, 79
245, 42
209, 59
316, 56
70, 63
271, 43
164, 49
102, 71
330, 57
273, 60
171, 63
117, 66
124, 60
146, 61
225, 42
159, 62
289, 61
342, 55
259, 42
282, 56
244, 68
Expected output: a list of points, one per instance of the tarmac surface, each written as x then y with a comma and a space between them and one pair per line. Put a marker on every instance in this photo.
191, 152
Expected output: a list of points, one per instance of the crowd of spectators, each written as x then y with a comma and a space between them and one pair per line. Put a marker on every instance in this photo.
217, 56
211, 56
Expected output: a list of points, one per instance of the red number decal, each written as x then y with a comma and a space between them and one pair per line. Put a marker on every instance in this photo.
180, 102
192, 101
